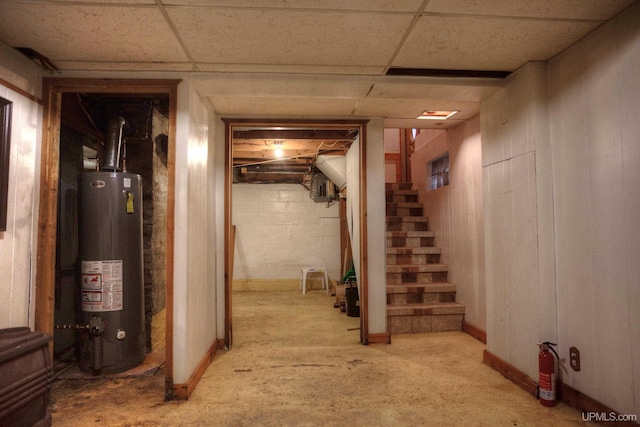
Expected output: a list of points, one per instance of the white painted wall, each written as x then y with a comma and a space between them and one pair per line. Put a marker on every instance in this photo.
455, 211
376, 226
18, 242
595, 131
280, 229
353, 204
219, 143
513, 130
195, 292
560, 158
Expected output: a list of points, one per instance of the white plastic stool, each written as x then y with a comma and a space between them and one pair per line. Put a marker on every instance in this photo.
307, 270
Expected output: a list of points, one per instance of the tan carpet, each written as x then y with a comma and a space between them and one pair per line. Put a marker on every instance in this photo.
296, 362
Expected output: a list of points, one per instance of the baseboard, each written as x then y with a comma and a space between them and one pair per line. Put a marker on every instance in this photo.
259, 285
572, 397
383, 338
512, 373
475, 332
183, 391
590, 407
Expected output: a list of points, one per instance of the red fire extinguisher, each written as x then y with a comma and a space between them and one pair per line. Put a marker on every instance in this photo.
547, 374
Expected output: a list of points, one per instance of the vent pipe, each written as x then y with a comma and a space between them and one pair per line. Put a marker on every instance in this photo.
335, 168
113, 147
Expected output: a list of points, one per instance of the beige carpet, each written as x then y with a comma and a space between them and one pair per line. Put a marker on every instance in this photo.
296, 361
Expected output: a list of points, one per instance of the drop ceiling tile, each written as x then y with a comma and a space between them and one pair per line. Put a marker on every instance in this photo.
292, 69
123, 2
420, 124
107, 33
367, 5
241, 36
282, 107
411, 108
70, 66
417, 89
486, 44
281, 86
570, 9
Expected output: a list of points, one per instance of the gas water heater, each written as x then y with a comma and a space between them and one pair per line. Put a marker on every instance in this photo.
111, 263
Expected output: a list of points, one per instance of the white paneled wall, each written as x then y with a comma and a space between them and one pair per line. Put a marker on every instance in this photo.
195, 291
376, 223
280, 229
455, 211
561, 178
18, 242
511, 134
596, 161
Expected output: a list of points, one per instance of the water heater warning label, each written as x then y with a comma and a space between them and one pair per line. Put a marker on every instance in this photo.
102, 285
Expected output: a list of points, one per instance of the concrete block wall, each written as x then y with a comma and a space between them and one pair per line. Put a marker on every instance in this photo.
279, 230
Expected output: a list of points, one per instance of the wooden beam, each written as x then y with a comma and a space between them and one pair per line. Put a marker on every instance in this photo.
48, 212
183, 391
277, 134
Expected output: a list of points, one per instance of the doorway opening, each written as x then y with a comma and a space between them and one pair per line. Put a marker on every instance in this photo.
75, 114
282, 154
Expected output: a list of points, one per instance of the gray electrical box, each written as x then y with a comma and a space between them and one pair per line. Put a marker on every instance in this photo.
322, 189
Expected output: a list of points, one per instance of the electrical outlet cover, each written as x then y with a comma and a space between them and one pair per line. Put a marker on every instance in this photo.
574, 359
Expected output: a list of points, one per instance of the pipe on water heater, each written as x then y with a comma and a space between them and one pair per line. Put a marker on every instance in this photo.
113, 146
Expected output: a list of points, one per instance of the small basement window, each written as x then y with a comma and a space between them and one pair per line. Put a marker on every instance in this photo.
440, 172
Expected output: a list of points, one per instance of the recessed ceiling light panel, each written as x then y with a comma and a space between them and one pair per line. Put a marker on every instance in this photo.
437, 114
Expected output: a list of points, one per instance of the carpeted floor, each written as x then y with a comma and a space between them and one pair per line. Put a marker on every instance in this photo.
296, 361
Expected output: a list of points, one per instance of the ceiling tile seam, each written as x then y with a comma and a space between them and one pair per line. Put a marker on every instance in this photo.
412, 24
274, 64
358, 100
176, 34
287, 9
512, 18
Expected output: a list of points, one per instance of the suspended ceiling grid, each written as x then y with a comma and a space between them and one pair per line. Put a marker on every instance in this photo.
309, 58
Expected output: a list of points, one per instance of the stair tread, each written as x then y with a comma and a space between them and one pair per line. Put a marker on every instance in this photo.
410, 234
417, 268
407, 218
401, 192
404, 204
421, 250
397, 288
425, 309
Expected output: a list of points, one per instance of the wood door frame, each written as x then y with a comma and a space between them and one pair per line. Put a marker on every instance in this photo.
53, 89
228, 226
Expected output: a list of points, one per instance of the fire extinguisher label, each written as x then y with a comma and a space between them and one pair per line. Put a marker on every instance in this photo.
102, 285
547, 386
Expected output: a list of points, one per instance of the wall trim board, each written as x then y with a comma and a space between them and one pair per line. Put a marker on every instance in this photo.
584, 403
383, 338
22, 92
566, 393
183, 391
510, 372
475, 332
53, 89
230, 124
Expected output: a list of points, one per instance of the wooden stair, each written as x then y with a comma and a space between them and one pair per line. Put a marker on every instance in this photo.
419, 298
